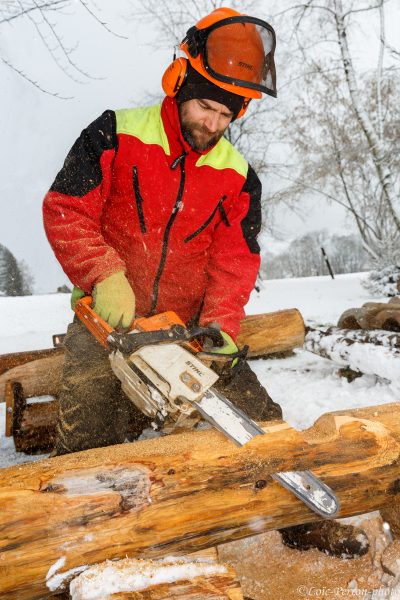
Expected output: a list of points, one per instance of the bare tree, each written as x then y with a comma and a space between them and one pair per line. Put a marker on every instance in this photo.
43, 18
345, 124
334, 161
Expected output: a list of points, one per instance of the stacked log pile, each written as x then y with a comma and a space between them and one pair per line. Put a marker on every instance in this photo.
367, 340
373, 315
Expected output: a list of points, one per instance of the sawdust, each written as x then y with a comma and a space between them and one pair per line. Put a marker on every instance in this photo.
268, 570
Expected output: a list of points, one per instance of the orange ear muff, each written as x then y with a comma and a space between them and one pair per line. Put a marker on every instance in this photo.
245, 105
174, 77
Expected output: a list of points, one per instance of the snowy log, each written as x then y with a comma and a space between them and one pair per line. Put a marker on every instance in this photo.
39, 372
183, 492
197, 576
369, 352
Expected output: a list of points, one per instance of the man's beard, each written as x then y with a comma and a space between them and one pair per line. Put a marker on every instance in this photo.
203, 141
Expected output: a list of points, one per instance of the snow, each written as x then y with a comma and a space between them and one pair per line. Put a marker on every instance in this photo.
28, 322
305, 385
321, 300
129, 575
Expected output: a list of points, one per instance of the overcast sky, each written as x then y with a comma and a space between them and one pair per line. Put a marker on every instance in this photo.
38, 129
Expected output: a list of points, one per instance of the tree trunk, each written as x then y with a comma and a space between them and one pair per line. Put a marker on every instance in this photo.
375, 144
184, 492
369, 352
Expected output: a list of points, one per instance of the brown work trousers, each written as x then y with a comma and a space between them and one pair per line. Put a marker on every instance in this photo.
95, 412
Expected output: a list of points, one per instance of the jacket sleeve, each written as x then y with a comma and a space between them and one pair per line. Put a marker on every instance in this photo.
234, 260
72, 208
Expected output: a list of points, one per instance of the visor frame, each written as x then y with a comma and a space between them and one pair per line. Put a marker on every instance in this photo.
196, 40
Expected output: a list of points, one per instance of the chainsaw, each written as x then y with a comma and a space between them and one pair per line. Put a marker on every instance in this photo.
166, 373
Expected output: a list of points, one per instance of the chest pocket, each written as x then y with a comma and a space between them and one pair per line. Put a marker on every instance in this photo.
219, 208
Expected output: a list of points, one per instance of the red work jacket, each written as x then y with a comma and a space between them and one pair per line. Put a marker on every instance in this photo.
133, 196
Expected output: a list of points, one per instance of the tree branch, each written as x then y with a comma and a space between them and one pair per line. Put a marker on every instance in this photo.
34, 83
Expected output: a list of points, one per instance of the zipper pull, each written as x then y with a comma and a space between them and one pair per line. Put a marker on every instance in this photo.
177, 161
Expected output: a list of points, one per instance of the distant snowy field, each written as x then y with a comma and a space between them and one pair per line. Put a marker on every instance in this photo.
305, 385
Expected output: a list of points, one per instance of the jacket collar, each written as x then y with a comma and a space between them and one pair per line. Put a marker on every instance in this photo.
177, 144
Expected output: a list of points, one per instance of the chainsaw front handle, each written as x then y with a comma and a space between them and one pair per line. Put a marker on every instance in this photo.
165, 328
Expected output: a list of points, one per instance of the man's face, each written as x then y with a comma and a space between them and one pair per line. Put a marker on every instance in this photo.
203, 122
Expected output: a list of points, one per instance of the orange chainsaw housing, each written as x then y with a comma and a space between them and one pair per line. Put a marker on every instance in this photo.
101, 329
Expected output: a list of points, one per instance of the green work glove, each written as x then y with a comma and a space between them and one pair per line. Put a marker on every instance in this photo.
76, 295
114, 300
229, 347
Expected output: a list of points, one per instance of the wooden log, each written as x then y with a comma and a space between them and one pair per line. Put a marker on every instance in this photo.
388, 319
37, 428
197, 576
15, 359
184, 492
377, 337
32, 425
350, 349
272, 333
373, 315
41, 377
39, 372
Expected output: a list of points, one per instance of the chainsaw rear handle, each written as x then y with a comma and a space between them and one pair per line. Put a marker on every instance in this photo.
165, 328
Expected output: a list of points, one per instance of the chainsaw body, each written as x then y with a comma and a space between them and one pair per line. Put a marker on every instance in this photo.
164, 382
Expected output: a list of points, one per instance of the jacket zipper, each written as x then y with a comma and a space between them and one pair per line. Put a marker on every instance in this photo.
181, 161
139, 199
221, 209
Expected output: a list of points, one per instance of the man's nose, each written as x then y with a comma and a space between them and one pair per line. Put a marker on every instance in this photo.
211, 122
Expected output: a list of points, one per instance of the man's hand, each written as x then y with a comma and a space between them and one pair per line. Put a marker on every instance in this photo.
76, 295
229, 347
114, 300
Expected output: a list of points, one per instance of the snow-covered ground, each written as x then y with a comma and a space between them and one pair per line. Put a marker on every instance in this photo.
305, 385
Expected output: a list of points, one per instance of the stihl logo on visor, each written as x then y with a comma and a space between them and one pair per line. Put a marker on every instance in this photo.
246, 66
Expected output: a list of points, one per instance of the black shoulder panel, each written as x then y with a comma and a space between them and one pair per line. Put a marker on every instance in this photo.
251, 224
81, 171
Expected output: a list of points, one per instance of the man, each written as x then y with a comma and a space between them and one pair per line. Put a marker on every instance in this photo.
155, 210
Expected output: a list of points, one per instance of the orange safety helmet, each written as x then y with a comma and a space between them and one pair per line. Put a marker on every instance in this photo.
231, 50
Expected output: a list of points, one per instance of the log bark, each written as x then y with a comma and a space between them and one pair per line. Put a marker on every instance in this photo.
197, 576
15, 359
368, 352
40, 372
37, 426
184, 492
